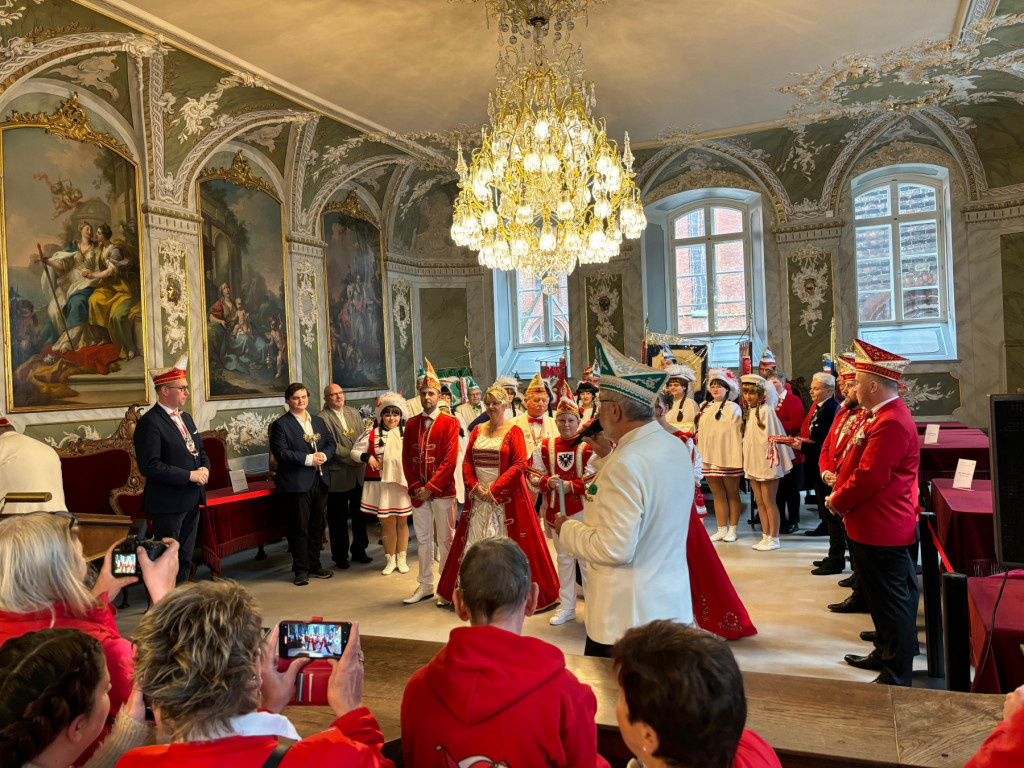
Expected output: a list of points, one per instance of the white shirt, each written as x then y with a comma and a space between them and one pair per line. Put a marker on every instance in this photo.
307, 429
340, 413
884, 402
633, 534
30, 466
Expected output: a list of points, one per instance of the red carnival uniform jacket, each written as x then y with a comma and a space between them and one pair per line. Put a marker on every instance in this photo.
430, 456
791, 413
837, 444
354, 739
876, 491
501, 699
560, 459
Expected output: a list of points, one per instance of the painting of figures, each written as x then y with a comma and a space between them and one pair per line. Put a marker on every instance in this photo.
75, 311
243, 291
355, 303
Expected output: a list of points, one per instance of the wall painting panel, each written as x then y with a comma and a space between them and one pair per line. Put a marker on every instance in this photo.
244, 291
75, 326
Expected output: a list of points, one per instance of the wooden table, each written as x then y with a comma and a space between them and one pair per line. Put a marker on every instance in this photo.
810, 722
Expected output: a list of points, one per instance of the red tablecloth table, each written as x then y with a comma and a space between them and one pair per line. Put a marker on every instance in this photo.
940, 459
923, 425
1004, 670
232, 522
964, 525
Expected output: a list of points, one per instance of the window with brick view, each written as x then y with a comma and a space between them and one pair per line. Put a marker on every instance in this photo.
711, 252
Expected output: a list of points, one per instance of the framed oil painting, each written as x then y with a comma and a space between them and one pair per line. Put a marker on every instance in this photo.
76, 316
355, 298
244, 288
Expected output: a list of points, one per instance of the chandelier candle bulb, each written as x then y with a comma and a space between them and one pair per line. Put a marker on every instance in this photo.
546, 190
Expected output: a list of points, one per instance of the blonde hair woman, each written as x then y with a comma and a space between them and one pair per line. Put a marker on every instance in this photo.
497, 500
44, 586
216, 691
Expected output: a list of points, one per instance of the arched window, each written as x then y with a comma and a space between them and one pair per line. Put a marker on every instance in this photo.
540, 319
710, 246
901, 226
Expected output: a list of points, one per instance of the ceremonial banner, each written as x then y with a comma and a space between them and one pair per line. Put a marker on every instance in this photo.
604, 311
693, 355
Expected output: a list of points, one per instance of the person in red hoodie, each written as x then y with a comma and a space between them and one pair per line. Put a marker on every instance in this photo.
217, 694
490, 693
790, 411
681, 700
43, 586
876, 495
1004, 748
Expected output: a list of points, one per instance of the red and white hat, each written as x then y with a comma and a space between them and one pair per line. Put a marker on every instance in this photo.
429, 378
767, 359
726, 376
845, 368
3, 421
173, 375
395, 400
567, 403
871, 359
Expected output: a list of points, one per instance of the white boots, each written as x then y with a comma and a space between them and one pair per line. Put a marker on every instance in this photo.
395, 563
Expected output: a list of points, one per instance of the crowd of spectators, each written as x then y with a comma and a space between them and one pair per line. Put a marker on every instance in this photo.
198, 684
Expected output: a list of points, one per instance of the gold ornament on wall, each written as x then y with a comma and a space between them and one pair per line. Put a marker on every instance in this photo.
239, 173
68, 122
352, 206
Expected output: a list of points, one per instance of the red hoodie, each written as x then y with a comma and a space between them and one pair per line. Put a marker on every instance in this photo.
502, 699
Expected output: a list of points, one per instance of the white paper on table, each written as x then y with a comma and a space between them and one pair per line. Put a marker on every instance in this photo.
931, 434
964, 474
238, 481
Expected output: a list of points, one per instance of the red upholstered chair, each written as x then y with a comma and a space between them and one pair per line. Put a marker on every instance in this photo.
215, 449
90, 479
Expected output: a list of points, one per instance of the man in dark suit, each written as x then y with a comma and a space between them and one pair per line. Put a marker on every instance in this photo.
302, 445
346, 487
170, 456
816, 428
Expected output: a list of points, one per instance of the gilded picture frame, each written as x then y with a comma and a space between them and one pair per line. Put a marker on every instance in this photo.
72, 254
356, 302
244, 280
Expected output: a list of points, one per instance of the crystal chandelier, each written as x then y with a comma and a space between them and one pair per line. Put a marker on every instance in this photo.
547, 189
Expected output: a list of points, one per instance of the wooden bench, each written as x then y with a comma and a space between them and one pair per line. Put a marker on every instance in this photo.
810, 722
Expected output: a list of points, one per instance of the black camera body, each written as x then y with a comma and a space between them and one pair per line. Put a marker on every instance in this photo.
124, 559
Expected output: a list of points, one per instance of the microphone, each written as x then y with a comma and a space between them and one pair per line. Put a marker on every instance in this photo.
28, 498
589, 430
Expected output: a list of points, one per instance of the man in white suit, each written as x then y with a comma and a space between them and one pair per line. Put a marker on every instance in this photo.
29, 466
635, 517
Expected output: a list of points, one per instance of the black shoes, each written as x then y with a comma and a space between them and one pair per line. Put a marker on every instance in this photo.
789, 528
361, 558
847, 582
869, 636
827, 569
323, 573
817, 562
821, 530
872, 661
852, 604
301, 580
343, 565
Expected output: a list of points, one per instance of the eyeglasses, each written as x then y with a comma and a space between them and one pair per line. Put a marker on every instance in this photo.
335, 394
69, 516
185, 388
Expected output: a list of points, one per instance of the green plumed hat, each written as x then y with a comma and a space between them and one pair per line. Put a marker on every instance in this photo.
628, 377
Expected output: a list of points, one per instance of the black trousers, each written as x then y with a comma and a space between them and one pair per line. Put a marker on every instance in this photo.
834, 523
183, 528
305, 513
594, 648
787, 498
889, 582
343, 506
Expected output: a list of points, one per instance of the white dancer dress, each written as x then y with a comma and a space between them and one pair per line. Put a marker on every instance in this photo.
488, 519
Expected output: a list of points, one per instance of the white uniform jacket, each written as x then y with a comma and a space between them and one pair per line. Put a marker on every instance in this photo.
28, 465
633, 534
